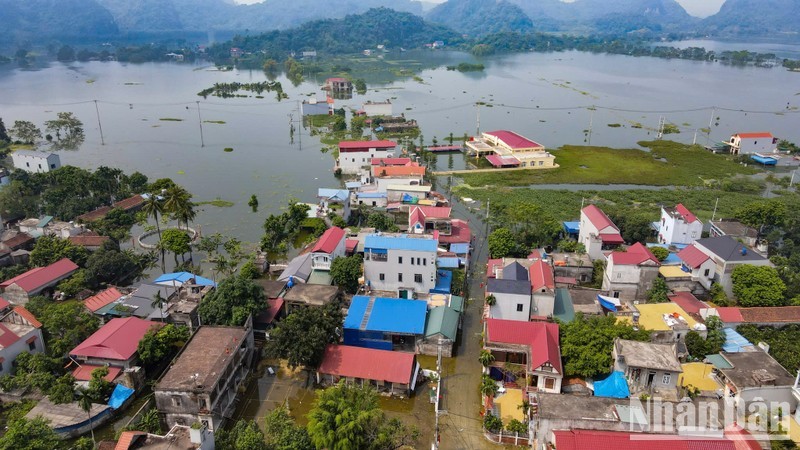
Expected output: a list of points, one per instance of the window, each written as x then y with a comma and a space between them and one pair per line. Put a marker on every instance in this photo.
400, 277
417, 278
40, 166
519, 307
381, 277
541, 163
399, 260
667, 378
27, 164
176, 401
424, 262
203, 403
52, 166
412, 261
706, 272
32, 345
616, 294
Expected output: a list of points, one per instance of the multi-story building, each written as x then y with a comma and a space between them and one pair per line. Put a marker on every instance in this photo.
400, 262
19, 332
598, 232
355, 156
630, 274
36, 162
679, 226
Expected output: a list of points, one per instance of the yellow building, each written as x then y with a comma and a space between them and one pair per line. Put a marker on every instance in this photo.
508, 149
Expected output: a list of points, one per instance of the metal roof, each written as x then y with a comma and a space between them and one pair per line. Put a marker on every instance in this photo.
386, 314
400, 242
516, 287
442, 320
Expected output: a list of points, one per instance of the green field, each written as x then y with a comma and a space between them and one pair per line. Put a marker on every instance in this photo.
667, 164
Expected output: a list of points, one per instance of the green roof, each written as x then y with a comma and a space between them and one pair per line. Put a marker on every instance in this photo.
45, 220
457, 303
442, 320
718, 361
320, 277
562, 307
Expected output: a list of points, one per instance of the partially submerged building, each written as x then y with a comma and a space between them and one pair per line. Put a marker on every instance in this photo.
383, 370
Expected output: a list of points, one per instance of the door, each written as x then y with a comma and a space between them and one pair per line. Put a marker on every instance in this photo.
650, 377
403, 293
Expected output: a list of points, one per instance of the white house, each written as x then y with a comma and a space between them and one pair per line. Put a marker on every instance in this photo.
749, 143
630, 274
377, 108
335, 201
702, 268
21, 332
314, 107
679, 226
357, 155
598, 232
727, 253
400, 262
31, 161
330, 245
512, 294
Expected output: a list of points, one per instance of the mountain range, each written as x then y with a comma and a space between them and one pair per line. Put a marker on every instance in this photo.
33, 20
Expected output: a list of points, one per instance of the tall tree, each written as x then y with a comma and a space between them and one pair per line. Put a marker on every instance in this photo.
49, 249
85, 402
153, 207
302, 337
176, 241
234, 299
4, 137
25, 132
586, 343
343, 417
758, 286
282, 433
501, 243
345, 272
29, 434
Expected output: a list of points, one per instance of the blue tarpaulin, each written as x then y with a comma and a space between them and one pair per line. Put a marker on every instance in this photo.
614, 386
118, 397
444, 278
734, 342
572, 227
609, 303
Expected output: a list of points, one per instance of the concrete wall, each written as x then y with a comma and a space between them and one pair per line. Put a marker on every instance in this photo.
506, 307
430, 346
10, 353
393, 268
543, 304
677, 231
36, 164
353, 162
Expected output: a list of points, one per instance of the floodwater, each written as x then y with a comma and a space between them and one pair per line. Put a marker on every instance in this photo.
546, 97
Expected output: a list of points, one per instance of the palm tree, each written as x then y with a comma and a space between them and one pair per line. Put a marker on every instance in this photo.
491, 300
85, 402
158, 302
178, 202
486, 358
152, 208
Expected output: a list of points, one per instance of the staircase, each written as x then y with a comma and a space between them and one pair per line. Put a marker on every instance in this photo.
367, 313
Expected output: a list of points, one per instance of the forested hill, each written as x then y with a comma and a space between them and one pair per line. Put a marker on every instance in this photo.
480, 17
351, 34
23, 20
777, 19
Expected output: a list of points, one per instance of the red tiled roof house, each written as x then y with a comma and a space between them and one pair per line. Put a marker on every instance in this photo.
20, 289
19, 332
389, 371
330, 245
597, 232
114, 344
630, 274
679, 226
355, 155
526, 350
749, 143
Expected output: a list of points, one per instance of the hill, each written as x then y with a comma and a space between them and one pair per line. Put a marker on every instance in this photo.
36, 19
742, 18
351, 34
480, 17
623, 16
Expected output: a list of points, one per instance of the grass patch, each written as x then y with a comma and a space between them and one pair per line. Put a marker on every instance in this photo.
227, 149
219, 122
685, 165
170, 119
218, 202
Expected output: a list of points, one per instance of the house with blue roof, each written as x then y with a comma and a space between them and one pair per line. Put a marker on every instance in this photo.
400, 263
335, 201
385, 323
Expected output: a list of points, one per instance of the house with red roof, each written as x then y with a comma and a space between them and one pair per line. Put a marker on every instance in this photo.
625, 440
386, 370
426, 219
114, 344
357, 155
678, 226
20, 289
329, 246
714, 259
698, 264
597, 232
504, 148
749, 143
20, 332
102, 298
528, 350
630, 274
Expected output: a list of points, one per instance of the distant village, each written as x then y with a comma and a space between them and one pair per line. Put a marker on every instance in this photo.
415, 287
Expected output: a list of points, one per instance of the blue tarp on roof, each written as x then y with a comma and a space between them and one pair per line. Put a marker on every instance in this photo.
399, 242
734, 342
614, 386
448, 262
183, 277
118, 397
459, 248
766, 160
393, 315
572, 227
444, 278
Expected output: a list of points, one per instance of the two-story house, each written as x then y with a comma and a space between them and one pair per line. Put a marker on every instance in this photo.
400, 262
543, 288
598, 232
115, 344
648, 367
202, 384
357, 155
630, 274
698, 264
511, 291
330, 245
749, 143
679, 226
527, 351
19, 332
333, 201
727, 253
35, 162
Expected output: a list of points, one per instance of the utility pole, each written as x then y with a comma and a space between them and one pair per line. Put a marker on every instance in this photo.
300, 125
200, 121
791, 180
478, 124
661, 122
591, 123
97, 110
714, 215
694, 141
710, 123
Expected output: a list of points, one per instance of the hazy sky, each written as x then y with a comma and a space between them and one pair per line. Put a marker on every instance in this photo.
699, 8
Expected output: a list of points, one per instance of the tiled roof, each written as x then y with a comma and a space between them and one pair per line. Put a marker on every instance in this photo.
687, 302
460, 233
687, 215
88, 240
28, 316
18, 240
635, 255
620, 440
102, 299
730, 314
329, 240
760, 134
84, 372
4, 303
693, 256
7, 336
541, 276
116, 340
127, 438
771, 314
598, 218
353, 145
91, 216
540, 337
398, 171
368, 364
513, 140
129, 203
41, 276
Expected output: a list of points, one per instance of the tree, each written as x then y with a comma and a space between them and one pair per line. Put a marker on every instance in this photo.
718, 295
49, 249
515, 426
598, 272
65, 324
232, 302
99, 388
67, 128
586, 343
345, 272
72, 286
245, 435
659, 292
160, 343
63, 390
491, 300
492, 423
66, 53
757, 286
696, 345
501, 243
301, 338
29, 434
152, 207
488, 386
176, 241
85, 402
25, 132
282, 433
178, 203
381, 222
763, 214
109, 265
4, 137
486, 358
116, 225
660, 252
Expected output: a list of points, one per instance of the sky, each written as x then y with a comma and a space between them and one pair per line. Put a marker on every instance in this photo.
699, 8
